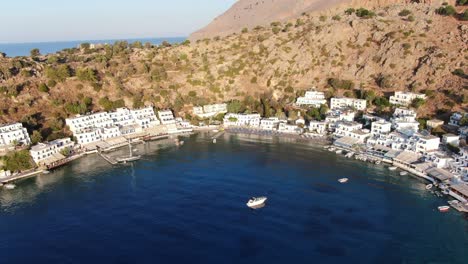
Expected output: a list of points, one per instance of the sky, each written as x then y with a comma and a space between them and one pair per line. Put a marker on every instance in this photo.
63, 20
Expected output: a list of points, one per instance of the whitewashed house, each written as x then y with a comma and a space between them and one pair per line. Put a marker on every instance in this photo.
209, 110
312, 98
43, 151
405, 119
405, 98
13, 134
352, 130
250, 120
433, 123
109, 132
122, 117
381, 127
451, 139
269, 123
455, 118
289, 129
343, 102
460, 163
88, 135
101, 119
427, 144
145, 117
319, 127
166, 117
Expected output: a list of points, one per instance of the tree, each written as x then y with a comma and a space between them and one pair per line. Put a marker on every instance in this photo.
364, 13
446, 10
404, 12
464, 15
36, 137
35, 53
235, 106
417, 102
17, 161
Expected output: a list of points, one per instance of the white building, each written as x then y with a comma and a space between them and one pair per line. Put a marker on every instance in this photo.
101, 119
319, 127
14, 134
405, 119
405, 98
451, 139
109, 132
455, 118
335, 116
88, 135
343, 128
461, 162
42, 151
427, 143
209, 110
250, 120
381, 127
145, 117
312, 98
166, 117
289, 129
358, 104
269, 123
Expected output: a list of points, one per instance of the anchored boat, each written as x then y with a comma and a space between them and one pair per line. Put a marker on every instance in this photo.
444, 208
343, 180
429, 186
256, 201
393, 168
9, 186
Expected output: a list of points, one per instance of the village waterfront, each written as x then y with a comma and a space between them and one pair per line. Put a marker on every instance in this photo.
187, 203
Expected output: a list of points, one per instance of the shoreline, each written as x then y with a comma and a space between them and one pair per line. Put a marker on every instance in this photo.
324, 142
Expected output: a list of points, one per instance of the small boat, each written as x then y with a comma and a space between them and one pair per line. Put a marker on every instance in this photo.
429, 186
46, 172
378, 162
339, 151
403, 173
393, 168
446, 191
343, 180
256, 201
444, 208
214, 141
9, 186
215, 130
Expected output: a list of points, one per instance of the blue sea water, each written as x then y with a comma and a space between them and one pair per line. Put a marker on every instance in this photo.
187, 205
23, 49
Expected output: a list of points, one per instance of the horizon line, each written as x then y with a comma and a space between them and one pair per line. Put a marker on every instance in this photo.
86, 40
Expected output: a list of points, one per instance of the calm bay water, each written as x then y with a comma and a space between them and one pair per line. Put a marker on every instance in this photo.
187, 204
23, 49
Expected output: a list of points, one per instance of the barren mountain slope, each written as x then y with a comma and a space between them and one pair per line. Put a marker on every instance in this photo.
251, 13
420, 51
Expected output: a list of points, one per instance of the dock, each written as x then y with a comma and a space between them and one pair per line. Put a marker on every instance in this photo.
112, 161
21, 176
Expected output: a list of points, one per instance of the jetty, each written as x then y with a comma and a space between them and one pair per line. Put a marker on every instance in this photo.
21, 176
218, 134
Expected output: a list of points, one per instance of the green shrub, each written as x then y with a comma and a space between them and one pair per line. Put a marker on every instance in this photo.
447, 11
43, 88
404, 12
364, 13
17, 161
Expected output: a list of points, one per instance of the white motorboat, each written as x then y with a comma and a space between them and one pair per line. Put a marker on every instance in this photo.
403, 173
343, 180
393, 168
429, 186
9, 186
256, 201
378, 162
214, 140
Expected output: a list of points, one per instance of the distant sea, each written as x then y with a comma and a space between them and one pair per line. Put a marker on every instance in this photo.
23, 49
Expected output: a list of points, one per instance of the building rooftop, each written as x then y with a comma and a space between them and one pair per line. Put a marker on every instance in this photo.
461, 188
440, 174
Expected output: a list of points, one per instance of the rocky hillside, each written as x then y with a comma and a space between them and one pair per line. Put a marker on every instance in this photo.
359, 53
251, 13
